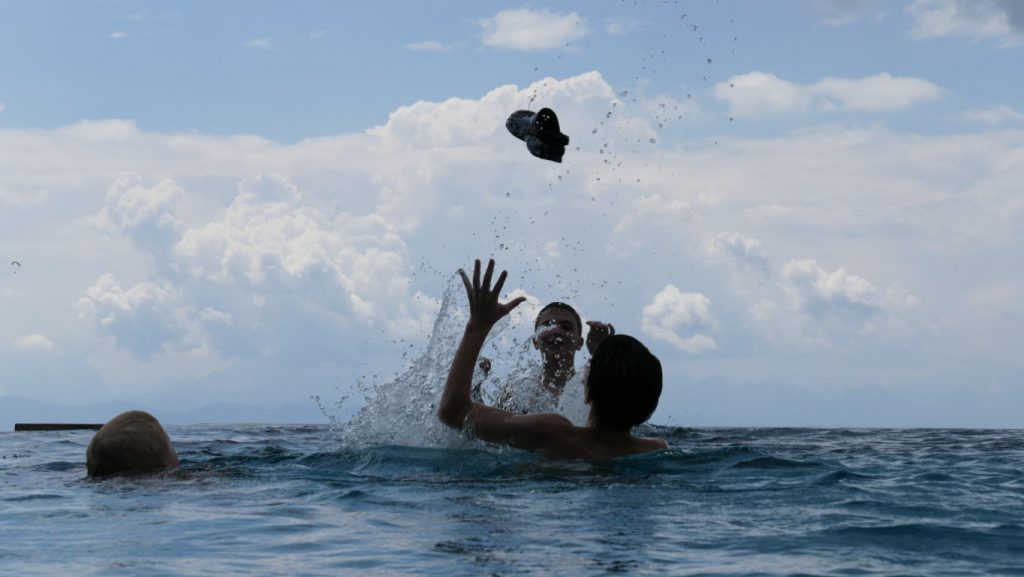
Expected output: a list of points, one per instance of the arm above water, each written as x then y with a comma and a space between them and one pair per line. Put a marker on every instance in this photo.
457, 409
484, 311
598, 333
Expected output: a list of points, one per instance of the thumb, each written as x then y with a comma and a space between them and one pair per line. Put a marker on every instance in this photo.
514, 303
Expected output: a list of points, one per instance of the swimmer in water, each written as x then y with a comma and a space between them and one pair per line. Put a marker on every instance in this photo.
623, 385
133, 441
558, 335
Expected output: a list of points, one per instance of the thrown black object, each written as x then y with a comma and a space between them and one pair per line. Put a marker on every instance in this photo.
540, 131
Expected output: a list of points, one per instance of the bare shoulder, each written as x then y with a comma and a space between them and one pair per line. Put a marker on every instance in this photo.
653, 444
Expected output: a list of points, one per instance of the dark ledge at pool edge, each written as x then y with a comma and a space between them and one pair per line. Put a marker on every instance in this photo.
26, 427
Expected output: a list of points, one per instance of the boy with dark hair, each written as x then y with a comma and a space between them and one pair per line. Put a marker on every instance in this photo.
625, 376
131, 441
558, 335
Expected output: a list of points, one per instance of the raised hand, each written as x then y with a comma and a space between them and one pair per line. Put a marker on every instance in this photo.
598, 332
484, 308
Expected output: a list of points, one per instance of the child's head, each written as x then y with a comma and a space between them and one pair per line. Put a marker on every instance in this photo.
131, 441
624, 383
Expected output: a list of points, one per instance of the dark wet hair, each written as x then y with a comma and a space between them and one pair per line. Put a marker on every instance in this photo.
624, 382
563, 306
131, 441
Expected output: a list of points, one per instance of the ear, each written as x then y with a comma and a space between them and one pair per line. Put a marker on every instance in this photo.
536, 343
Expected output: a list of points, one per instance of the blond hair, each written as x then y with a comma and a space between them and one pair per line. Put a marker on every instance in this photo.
131, 441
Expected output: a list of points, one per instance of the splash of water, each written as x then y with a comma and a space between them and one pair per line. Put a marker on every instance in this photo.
403, 410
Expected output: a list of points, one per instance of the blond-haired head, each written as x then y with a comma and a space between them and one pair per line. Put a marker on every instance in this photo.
131, 441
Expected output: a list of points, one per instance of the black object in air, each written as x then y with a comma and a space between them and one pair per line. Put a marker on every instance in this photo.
540, 131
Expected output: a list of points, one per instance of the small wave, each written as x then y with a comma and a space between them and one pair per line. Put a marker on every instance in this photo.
943, 540
37, 497
774, 463
839, 476
58, 466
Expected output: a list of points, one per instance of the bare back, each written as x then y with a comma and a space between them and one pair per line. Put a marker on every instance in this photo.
556, 437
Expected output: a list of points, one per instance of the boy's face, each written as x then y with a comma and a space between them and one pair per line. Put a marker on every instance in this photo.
557, 331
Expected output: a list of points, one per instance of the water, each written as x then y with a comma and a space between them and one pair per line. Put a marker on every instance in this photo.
261, 500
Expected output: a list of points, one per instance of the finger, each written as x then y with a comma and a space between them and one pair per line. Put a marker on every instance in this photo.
487, 275
476, 274
507, 307
501, 282
469, 288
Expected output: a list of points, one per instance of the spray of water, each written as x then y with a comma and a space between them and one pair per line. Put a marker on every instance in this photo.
402, 411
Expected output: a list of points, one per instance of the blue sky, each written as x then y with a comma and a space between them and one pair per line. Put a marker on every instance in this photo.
809, 209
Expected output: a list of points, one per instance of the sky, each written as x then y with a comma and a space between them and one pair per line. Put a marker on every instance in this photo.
809, 210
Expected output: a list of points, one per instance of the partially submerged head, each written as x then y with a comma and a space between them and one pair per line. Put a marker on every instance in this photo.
558, 330
131, 441
624, 383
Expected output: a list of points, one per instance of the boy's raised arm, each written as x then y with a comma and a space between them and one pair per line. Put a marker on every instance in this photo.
484, 311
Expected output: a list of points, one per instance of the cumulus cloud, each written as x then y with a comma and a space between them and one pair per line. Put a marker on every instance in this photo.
742, 252
820, 292
143, 319
266, 240
760, 93
295, 255
673, 312
525, 29
974, 19
34, 342
144, 214
813, 307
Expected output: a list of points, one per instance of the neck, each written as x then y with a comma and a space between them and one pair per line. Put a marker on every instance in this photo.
557, 372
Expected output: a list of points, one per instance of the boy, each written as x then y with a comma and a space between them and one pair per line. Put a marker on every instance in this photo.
622, 389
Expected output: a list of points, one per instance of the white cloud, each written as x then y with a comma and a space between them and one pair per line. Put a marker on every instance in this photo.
3, 106
429, 46
143, 319
1000, 114
136, 211
838, 13
264, 43
525, 29
759, 93
974, 19
673, 311
301, 257
820, 292
644, 214
34, 342
316, 35
118, 35
742, 252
